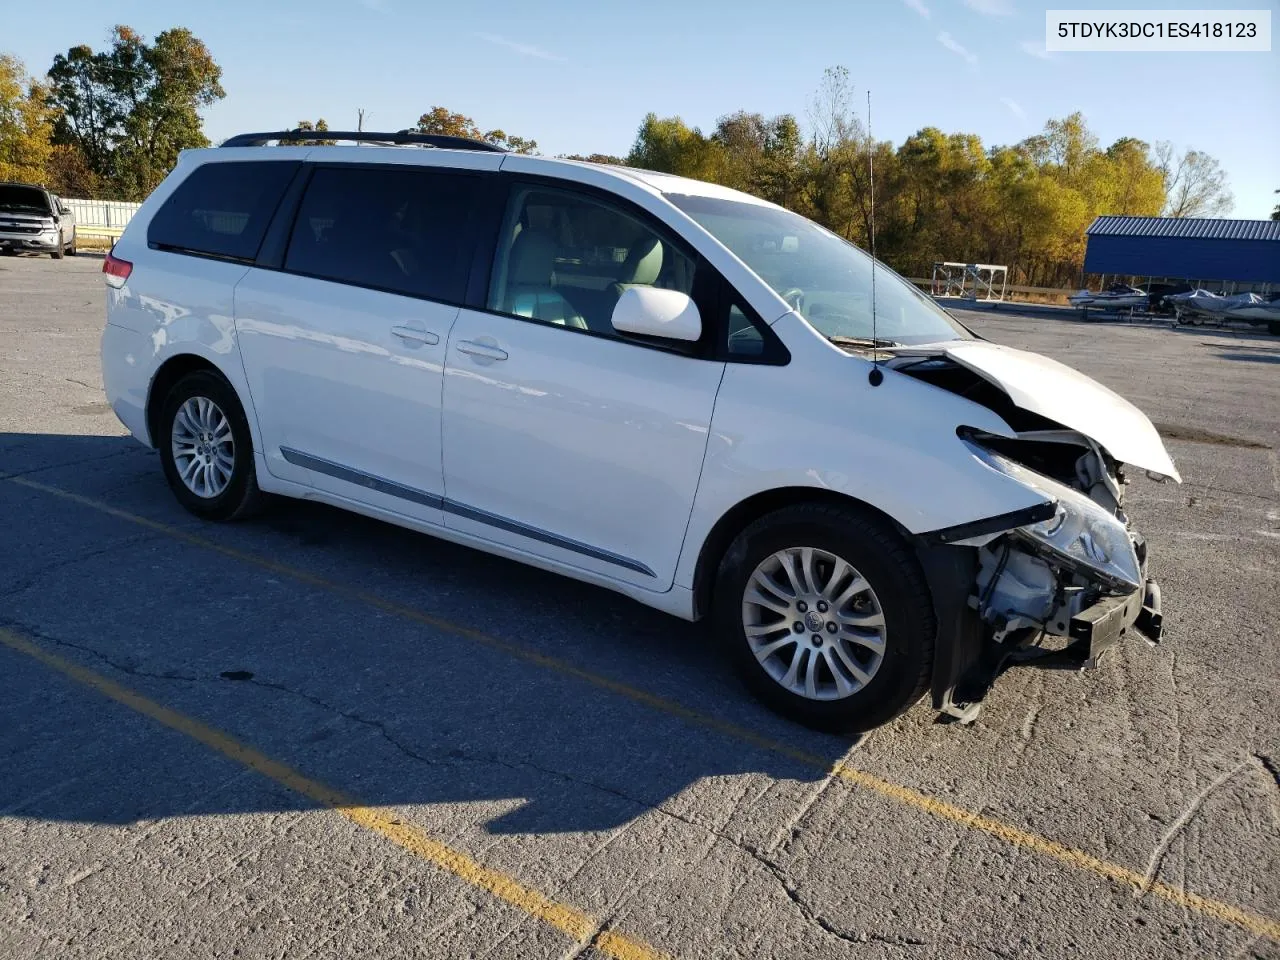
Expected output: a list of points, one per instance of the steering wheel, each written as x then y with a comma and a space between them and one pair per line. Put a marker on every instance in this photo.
794, 298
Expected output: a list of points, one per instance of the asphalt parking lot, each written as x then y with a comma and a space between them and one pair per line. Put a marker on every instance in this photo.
313, 734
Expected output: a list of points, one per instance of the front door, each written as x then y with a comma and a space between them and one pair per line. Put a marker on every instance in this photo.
561, 438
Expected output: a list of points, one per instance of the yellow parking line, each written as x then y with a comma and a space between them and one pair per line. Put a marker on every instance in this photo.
574, 923
1254, 923
1016, 836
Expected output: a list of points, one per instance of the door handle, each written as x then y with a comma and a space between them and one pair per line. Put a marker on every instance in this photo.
480, 350
416, 334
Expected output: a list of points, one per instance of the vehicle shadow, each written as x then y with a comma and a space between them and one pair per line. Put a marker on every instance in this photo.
396, 667
1255, 357
1256, 334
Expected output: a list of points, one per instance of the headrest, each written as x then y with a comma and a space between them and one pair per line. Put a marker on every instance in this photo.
533, 257
643, 263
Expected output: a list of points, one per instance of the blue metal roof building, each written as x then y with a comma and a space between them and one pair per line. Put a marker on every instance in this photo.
1246, 251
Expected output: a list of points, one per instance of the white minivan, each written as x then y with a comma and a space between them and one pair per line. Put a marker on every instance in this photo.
657, 385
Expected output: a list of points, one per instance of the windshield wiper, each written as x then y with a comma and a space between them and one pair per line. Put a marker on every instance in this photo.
840, 341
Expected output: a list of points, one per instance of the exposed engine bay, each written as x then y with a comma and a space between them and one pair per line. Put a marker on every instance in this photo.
1058, 591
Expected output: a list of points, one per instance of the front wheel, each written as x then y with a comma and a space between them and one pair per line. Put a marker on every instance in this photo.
826, 614
206, 448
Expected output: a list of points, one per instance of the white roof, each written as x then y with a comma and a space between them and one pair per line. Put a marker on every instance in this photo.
685, 186
664, 183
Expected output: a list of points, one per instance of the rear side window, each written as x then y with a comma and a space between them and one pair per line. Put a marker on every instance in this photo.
222, 209
403, 230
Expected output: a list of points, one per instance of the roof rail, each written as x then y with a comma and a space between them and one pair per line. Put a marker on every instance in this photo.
400, 137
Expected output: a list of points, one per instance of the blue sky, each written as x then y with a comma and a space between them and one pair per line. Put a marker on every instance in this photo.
579, 76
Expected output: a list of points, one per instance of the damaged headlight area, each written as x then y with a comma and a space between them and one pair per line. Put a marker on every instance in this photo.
1081, 535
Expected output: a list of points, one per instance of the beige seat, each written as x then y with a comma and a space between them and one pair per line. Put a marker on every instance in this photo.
641, 268
530, 290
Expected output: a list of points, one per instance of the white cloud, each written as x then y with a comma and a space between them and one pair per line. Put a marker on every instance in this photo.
1036, 49
1014, 107
524, 49
919, 7
991, 8
948, 41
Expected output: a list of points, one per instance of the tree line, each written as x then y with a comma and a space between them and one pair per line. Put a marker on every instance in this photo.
941, 196
111, 123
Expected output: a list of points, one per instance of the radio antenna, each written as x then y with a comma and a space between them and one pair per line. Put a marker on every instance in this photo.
876, 376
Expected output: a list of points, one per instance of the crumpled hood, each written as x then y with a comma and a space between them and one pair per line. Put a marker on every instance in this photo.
1066, 396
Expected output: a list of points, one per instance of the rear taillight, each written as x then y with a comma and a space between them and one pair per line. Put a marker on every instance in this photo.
117, 271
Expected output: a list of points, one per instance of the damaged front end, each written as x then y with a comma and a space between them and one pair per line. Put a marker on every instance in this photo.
1058, 584
1056, 591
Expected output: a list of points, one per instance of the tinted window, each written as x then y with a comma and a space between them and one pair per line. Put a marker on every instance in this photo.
222, 209
565, 259
745, 338
393, 228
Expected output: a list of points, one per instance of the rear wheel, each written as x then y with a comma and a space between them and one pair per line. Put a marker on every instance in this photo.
206, 449
825, 613
71, 250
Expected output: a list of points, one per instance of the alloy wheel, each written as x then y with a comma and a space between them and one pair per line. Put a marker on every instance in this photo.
203, 447
813, 623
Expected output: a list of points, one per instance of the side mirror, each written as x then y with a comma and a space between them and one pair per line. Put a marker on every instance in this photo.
654, 312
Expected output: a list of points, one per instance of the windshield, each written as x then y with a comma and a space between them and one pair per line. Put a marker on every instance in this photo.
16, 197
826, 279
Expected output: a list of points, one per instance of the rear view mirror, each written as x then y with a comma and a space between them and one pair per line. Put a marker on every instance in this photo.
654, 312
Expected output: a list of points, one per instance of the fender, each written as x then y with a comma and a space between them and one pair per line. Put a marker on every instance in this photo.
163, 329
893, 447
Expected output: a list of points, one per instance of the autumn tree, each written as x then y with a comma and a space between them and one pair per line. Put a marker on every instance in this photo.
669, 145
132, 108
1134, 179
778, 175
25, 124
90, 113
69, 173
594, 158
1195, 183
442, 122
318, 126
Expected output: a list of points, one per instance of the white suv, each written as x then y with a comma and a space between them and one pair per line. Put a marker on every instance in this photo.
656, 385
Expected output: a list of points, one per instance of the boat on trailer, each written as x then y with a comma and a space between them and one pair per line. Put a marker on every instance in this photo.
1118, 296
1201, 304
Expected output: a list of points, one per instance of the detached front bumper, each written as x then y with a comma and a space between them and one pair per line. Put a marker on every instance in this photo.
1097, 628
973, 650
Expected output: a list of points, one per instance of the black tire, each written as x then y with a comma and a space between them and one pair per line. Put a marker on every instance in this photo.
885, 560
57, 254
71, 250
241, 497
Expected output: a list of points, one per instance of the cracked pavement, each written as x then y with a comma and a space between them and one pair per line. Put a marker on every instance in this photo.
121, 837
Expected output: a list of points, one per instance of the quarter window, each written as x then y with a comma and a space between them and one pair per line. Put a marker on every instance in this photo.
222, 209
394, 229
565, 259
745, 339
